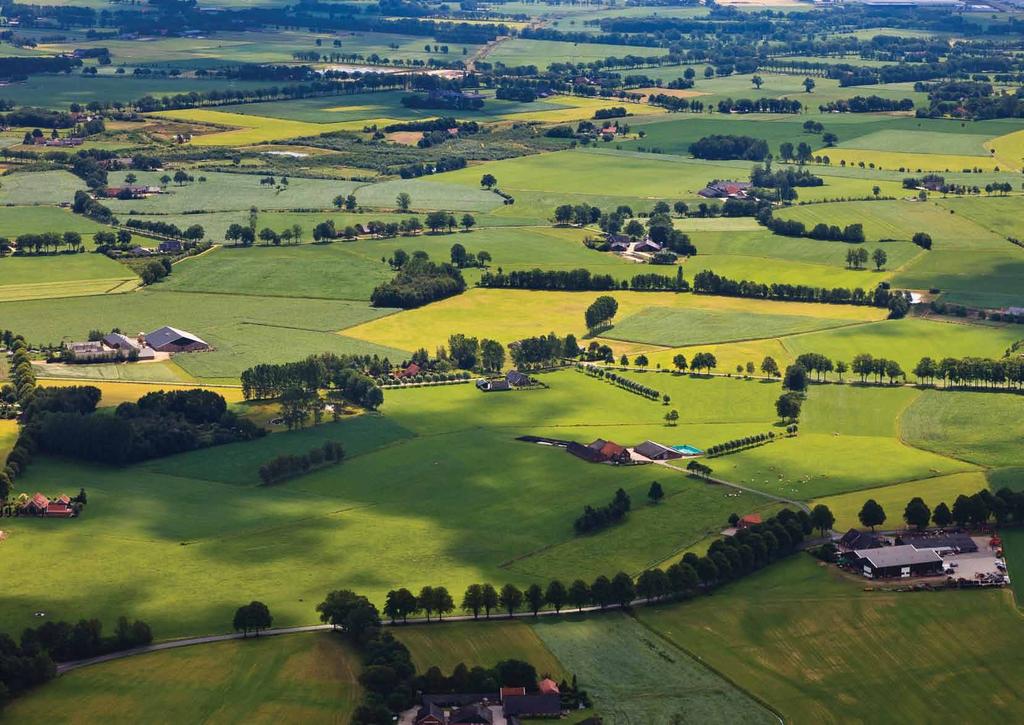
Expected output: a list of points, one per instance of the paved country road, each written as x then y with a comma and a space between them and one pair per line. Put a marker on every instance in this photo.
190, 641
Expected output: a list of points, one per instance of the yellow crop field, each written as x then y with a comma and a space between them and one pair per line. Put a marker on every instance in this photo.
583, 108
115, 393
1009, 149
73, 288
891, 160
514, 314
245, 130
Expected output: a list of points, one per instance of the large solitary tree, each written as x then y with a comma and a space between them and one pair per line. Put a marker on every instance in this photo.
252, 617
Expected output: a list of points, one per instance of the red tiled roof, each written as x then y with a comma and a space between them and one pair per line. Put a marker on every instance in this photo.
512, 691
40, 500
612, 449
548, 686
58, 509
751, 519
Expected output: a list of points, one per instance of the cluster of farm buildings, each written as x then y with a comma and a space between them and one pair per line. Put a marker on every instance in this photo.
144, 346
507, 707
39, 505
924, 554
605, 451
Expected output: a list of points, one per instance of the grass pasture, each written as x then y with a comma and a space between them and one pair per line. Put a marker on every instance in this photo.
63, 275
614, 657
899, 220
983, 429
819, 649
678, 327
242, 329
42, 187
479, 644
854, 430
247, 130
203, 515
893, 499
307, 677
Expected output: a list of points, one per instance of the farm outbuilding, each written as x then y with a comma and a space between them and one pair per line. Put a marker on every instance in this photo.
898, 562
171, 339
656, 451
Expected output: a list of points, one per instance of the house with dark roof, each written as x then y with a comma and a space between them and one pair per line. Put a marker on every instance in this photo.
409, 371
600, 451
170, 246
726, 190
854, 539
171, 339
475, 714
954, 542
532, 706
647, 245
656, 451
897, 562
517, 379
490, 386
430, 714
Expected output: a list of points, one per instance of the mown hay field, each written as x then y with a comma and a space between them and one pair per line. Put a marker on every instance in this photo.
307, 677
614, 656
983, 429
791, 634
509, 315
479, 644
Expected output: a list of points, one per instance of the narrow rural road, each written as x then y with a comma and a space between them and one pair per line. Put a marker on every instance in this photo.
210, 639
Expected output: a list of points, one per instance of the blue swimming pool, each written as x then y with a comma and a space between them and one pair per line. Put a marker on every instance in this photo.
688, 450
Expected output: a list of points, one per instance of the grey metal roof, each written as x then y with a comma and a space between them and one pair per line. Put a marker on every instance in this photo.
116, 339
905, 555
166, 335
649, 449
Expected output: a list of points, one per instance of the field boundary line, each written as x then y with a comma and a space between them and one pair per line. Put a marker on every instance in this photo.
841, 325
706, 665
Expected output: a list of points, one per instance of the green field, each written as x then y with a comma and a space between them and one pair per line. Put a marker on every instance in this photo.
307, 677
982, 429
893, 499
243, 330
853, 429
900, 220
43, 187
225, 192
820, 649
478, 644
679, 327
203, 515
62, 275
542, 53
614, 658
514, 314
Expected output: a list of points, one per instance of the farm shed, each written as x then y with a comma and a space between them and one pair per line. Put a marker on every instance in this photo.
171, 339
890, 562
853, 540
532, 706
656, 451
960, 543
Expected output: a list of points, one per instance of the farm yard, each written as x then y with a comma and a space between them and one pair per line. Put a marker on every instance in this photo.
352, 312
